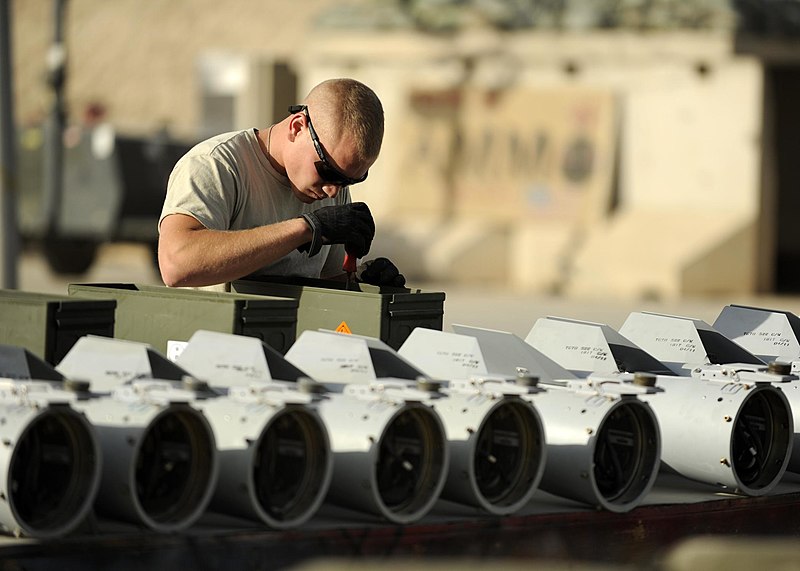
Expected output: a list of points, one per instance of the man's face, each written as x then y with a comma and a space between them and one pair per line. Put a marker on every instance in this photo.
336, 160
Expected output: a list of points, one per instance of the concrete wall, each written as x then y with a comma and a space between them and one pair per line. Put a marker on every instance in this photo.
140, 58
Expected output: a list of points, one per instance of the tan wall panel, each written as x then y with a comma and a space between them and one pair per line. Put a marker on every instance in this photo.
532, 153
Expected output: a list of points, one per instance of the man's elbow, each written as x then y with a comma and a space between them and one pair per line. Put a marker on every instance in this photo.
173, 273
170, 277
170, 281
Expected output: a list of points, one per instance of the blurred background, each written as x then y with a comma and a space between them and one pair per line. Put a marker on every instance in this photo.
624, 150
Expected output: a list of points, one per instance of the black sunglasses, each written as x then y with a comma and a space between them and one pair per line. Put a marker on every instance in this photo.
327, 172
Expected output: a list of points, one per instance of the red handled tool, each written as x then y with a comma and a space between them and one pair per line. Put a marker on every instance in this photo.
349, 267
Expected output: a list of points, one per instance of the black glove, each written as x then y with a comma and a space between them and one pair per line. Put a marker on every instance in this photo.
380, 272
348, 224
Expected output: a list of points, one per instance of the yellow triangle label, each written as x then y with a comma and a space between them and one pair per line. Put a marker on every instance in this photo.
343, 328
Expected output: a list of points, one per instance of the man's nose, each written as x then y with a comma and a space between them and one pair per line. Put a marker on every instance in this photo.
331, 190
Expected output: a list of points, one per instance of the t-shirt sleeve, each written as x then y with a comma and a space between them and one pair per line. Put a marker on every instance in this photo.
203, 188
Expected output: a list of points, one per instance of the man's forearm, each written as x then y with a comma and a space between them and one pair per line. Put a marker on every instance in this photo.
199, 256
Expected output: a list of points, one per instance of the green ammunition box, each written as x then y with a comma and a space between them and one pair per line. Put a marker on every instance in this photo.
158, 314
49, 325
389, 314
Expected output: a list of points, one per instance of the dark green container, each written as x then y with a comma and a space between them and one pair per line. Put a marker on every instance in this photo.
389, 314
157, 314
49, 325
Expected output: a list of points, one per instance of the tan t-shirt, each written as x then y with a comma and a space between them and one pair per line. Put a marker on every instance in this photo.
227, 183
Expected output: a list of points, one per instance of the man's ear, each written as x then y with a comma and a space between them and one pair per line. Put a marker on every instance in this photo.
296, 126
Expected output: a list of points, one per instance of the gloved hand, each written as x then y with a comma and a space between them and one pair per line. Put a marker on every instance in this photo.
380, 272
348, 224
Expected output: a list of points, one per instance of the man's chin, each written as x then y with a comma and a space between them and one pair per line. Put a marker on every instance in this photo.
304, 197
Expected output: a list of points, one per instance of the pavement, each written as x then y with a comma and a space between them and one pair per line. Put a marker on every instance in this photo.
480, 305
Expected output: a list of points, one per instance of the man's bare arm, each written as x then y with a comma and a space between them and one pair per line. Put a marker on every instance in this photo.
189, 254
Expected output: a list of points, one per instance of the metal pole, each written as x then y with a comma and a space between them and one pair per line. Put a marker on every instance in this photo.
54, 157
9, 235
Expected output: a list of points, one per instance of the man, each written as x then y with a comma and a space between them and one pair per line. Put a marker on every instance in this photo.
276, 201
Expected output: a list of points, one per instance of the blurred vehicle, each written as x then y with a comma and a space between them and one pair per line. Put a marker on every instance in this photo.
113, 188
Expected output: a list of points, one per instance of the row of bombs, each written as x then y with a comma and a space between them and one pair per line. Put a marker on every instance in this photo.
229, 425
